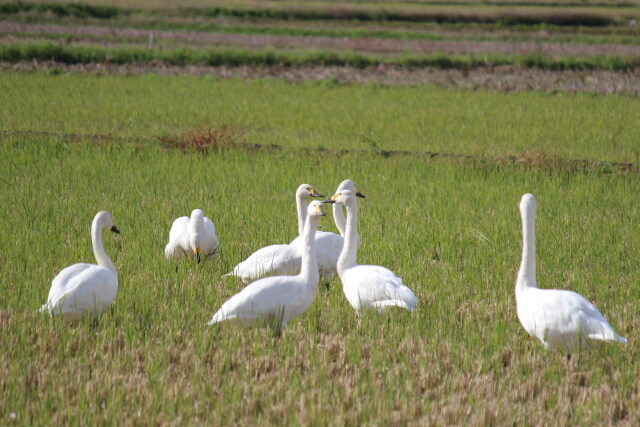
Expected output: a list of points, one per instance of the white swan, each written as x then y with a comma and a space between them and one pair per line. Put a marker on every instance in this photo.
367, 286
276, 260
556, 317
192, 237
279, 299
329, 245
86, 288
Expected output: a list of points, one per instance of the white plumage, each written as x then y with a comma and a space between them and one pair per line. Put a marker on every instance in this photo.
192, 237
277, 300
86, 288
277, 260
367, 286
329, 245
558, 318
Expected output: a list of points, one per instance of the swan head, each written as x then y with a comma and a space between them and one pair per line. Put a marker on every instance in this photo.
315, 209
196, 228
528, 205
105, 221
306, 191
342, 198
347, 184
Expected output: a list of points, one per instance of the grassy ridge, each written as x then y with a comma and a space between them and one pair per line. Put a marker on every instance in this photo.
479, 13
70, 54
450, 229
362, 117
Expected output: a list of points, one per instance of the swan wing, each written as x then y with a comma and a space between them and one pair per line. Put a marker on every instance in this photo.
273, 260
372, 286
178, 239
282, 296
559, 317
328, 248
82, 288
210, 245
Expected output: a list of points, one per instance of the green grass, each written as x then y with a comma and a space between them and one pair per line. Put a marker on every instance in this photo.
449, 227
326, 114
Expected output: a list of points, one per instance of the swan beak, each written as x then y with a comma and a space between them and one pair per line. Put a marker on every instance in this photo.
314, 193
359, 194
114, 229
197, 254
319, 211
331, 200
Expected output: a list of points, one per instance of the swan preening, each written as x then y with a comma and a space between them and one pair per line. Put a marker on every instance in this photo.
558, 318
277, 260
193, 237
366, 286
86, 288
276, 300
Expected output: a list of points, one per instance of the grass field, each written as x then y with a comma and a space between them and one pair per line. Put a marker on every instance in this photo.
449, 225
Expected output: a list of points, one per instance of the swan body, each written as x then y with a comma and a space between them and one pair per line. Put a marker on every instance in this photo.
276, 260
86, 288
329, 245
192, 237
367, 287
558, 318
281, 298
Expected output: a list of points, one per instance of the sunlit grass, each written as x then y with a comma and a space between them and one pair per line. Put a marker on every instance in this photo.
327, 114
449, 227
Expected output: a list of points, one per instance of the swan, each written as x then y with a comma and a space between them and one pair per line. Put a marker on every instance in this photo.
86, 288
192, 237
279, 299
366, 286
558, 318
329, 245
276, 260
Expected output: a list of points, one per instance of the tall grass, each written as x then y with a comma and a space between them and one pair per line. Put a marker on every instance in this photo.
450, 228
327, 114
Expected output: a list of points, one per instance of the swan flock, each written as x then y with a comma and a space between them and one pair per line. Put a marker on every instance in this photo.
282, 280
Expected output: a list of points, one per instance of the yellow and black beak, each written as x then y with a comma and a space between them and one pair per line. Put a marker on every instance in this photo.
314, 193
114, 229
332, 199
320, 211
197, 254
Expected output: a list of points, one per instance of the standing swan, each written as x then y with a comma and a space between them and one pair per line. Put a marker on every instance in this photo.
86, 288
276, 260
367, 286
329, 245
192, 237
279, 299
556, 317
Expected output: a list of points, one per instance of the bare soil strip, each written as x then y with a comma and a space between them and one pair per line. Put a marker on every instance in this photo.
506, 78
526, 158
553, 50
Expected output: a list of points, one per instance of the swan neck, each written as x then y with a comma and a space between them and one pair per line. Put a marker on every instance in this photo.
98, 249
339, 218
347, 257
309, 269
302, 213
527, 272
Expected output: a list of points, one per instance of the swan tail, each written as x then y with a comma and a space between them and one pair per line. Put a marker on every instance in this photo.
171, 251
608, 338
381, 305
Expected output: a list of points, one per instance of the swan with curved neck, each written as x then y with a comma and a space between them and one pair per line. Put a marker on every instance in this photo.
329, 245
277, 260
192, 237
276, 300
366, 286
558, 318
86, 288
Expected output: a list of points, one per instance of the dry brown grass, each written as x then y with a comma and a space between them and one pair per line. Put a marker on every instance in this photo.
205, 138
